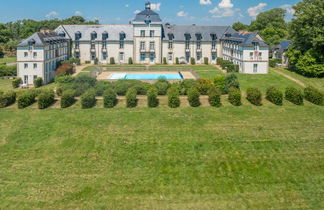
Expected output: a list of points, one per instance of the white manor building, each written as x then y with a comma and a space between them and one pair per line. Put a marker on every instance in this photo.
146, 41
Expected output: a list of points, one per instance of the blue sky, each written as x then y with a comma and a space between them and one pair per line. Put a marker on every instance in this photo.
203, 12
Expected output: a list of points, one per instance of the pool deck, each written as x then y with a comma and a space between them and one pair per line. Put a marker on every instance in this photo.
186, 75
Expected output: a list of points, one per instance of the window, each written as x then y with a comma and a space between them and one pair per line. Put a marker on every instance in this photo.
25, 54
77, 45
198, 56
251, 54
77, 55
121, 45
152, 45
35, 54
256, 46
104, 56
198, 45
77, 36
121, 56
187, 45
104, 45
214, 56
142, 57
35, 65
260, 54
142, 45
151, 33
93, 45
142, 33
255, 68
93, 56
187, 57
170, 45
170, 56
25, 79
26, 65
93, 35
213, 45
35, 77
105, 36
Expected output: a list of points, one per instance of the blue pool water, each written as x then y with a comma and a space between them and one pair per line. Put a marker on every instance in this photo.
146, 76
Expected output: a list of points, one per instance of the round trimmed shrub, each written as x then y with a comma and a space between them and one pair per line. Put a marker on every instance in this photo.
177, 61
88, 99
38, 82
130, 61
204, 85
152, 100
219, 83
26, 99
294, 95
254, 96
45, 99
186, 84
234, 96
192, 61
121, 86
162, 86
131, 100
7, 98
206, 61
67, 98
16, 82
193, 97
231, 81
101, 86
110, 98
214, 97
314, 96
112, 60
173, 98
274, 95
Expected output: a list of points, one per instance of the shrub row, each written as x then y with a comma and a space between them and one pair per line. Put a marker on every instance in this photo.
254, 96
314, 96
110, 98
193, 97
16, 82
7, 98
45, 99
234, 96
38, 82
228, 65
294, 95
8, 71
274, 95
26, 99
152, 100
67, 98
88, 99
214, 97
131, 98
173, 98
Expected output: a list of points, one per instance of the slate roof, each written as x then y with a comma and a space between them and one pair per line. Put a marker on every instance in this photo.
179, 32
147, 15
246, 39
41, 39
113, 31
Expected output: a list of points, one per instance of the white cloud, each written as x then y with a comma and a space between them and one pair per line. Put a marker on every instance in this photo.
126, 5
182, 14
52, 14
205, 2
78, 13
225, 4
156, 6
254, 11
137, 11
288, 8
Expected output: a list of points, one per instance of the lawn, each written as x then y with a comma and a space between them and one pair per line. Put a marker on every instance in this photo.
11, 59
5, 84
188, 158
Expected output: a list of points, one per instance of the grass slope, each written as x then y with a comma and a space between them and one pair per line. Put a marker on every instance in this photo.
203, 158
11, 59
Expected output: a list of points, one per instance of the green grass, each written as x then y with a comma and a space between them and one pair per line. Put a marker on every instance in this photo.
5, 84
315, 82
189, 158
207, 72
11, 59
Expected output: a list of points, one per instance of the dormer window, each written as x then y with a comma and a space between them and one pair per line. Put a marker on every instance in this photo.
78, 35
228, 35
213, 37
62, 34
198, 36
187, 36
171, 36
93, 35
104, 36
31, 43
122, 36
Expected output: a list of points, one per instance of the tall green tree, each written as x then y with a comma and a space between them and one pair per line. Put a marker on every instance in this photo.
238, 26
271, 18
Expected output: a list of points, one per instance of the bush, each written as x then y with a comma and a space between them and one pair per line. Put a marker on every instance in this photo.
254, 96
26, 98
232, 68
8, 71
88, 99
16, 82
121, 86
274, 95
45, 99
206, 62
204, 86
131, 100
8, 98
162, 86
234, 96
96, 61
314, 96
294, 95
67, 98
193, 97
273, 62
101, 86
219, 61
130, 61
112, 60
214, 97
110, 98
231, 81
173, 98
64, 79
87, 62
192, 61
72, 61
186, 84
152, 100
38, 82
65, 69
177, 60
165, 61
219, 83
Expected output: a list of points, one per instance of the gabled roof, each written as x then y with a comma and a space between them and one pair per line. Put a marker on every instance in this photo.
86, 30
246, 39
41, 39
179, 32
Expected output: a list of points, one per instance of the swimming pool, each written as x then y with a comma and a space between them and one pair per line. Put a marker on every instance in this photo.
142, 76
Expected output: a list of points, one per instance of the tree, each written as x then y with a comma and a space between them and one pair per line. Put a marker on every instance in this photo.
274, 17
272, 35
238, 26
4, 33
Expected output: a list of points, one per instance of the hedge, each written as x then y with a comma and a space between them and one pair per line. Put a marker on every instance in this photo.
206, 61
16, 82
110, 98
101, 86
219, 83
162, 86
294, 95
193, 97
177, 60
88, 99
254, 96
228, 65
26, 99
273, 62
131, 100
204, 86
45, 99
192, 61
38, 82
231, 81
234, 96
7, 98
130, 61
274, 95
112, 60
67, 98
214, 97
173, 98
8, 71
186, 84
152, 100
314, 96
121, 86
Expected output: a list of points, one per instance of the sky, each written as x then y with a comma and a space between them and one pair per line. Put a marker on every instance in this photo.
200, 12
